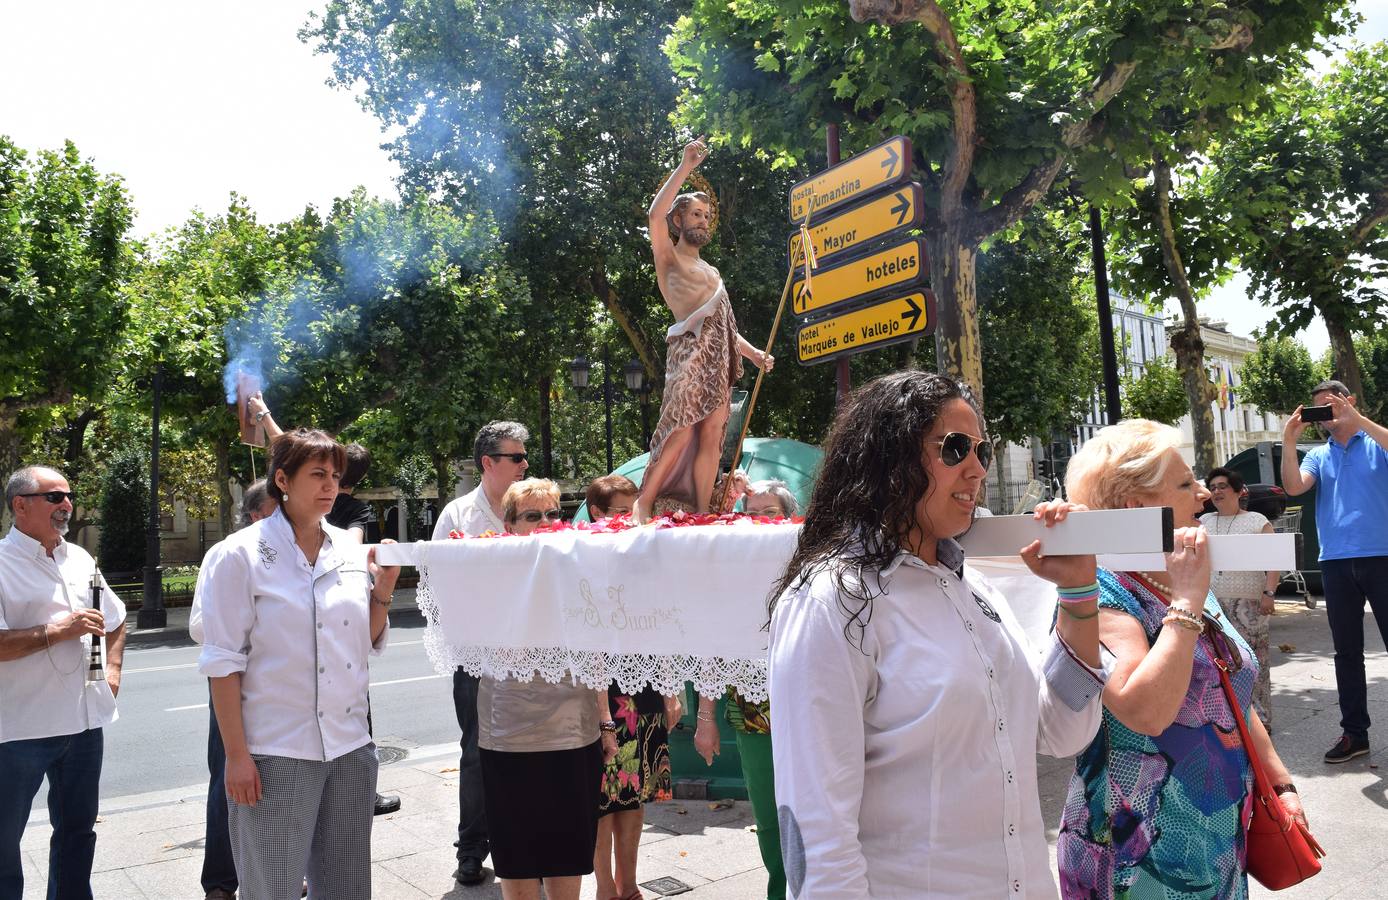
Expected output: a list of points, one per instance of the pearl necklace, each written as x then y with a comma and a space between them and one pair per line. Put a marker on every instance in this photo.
1162, 587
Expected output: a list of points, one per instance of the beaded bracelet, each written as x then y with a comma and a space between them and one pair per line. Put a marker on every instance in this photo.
1173, 618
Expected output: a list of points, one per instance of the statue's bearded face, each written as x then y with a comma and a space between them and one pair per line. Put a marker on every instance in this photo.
693, 222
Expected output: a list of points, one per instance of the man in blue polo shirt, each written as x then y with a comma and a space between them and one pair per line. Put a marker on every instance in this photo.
1351, 470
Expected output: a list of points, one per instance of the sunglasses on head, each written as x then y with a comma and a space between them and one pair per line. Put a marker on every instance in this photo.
516, 458
54, 497
534, 515
955, 448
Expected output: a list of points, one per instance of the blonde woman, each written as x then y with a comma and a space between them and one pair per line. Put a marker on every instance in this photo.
542, 749
1158, 802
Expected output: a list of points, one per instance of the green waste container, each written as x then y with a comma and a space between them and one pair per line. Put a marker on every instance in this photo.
796, 464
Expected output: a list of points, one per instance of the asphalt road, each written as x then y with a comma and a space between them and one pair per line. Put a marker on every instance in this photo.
160, 739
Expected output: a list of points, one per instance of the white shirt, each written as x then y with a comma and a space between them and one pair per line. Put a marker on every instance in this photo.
906, 768
46, 694
300, 634
471, 514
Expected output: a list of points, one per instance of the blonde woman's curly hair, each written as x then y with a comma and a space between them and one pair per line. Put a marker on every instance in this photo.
521, 490
1121, 462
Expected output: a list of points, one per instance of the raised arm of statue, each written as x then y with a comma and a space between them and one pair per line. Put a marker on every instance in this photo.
695, 152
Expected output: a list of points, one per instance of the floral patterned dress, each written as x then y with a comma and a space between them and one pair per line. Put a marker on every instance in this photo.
640, 772
1159, 818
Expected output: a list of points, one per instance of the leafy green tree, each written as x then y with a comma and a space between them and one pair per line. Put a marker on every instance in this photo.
551, 116
402, 306
191, 285
554, 116
1040, 336
124, 512
1278, 376
65, 253
997, 98
1308, 185
1156, 394
1372, 352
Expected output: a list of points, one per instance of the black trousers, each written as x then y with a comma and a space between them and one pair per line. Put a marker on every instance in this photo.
1349, 583
472, 814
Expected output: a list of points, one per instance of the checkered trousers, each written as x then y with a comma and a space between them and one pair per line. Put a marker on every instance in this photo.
314, 819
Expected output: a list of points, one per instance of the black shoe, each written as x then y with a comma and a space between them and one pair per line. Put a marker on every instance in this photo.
386, 804
470, 871
1347, 748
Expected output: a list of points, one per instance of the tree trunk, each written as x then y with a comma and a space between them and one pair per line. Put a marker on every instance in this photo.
546, 426
1187, 343
1346, 361
9, 439
958, 350
224, 502
630, 326
443, 480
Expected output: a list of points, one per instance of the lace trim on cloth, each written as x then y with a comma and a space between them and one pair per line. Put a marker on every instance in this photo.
666, 673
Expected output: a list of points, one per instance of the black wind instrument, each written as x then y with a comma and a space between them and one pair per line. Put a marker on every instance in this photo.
95, 671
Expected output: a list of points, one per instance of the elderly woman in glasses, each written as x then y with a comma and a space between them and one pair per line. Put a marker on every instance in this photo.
542, 749
908, 704
1247, 598
1159, 802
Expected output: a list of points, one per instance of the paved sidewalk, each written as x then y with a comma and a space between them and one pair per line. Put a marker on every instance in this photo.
150, 845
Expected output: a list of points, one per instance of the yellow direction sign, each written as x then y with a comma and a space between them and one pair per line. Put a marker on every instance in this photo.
870, 327
851, 228
885, 165
900, 265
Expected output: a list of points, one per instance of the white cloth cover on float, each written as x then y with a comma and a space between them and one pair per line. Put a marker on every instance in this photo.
657, 606
666, 606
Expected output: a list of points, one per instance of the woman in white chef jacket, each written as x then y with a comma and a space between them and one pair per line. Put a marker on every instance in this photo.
289, 617
908, 705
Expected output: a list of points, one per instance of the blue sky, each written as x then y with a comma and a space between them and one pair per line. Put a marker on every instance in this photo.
191, 100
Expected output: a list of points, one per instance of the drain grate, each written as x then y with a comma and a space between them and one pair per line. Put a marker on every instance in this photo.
667, 887
388, 755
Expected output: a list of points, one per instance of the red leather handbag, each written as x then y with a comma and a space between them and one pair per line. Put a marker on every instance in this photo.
1281, 852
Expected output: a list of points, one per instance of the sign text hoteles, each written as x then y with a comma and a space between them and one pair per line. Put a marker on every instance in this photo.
902, 264
870, 327
894, 211
887, 164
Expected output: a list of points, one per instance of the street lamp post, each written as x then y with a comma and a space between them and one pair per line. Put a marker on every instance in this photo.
152, 612
635, 375
580, 371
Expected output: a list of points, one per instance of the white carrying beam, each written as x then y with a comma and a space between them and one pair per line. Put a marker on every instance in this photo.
1228, 553
1143, 530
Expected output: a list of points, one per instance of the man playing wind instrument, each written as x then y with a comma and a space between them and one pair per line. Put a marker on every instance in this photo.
703, 348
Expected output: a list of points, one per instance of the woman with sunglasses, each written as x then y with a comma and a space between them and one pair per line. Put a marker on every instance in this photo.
1247, 598
908, 704
542, 749
1159, 801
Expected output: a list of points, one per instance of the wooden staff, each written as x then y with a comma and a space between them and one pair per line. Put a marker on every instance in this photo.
807, 249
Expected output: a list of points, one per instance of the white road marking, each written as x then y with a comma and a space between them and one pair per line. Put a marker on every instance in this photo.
406, 680
191, 665
374, 684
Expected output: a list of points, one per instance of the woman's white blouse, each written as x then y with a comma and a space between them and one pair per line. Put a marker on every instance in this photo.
905, 758
300, 634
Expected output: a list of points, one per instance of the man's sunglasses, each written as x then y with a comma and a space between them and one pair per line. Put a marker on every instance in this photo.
54, 497
955, 448
534, 515
516, 458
